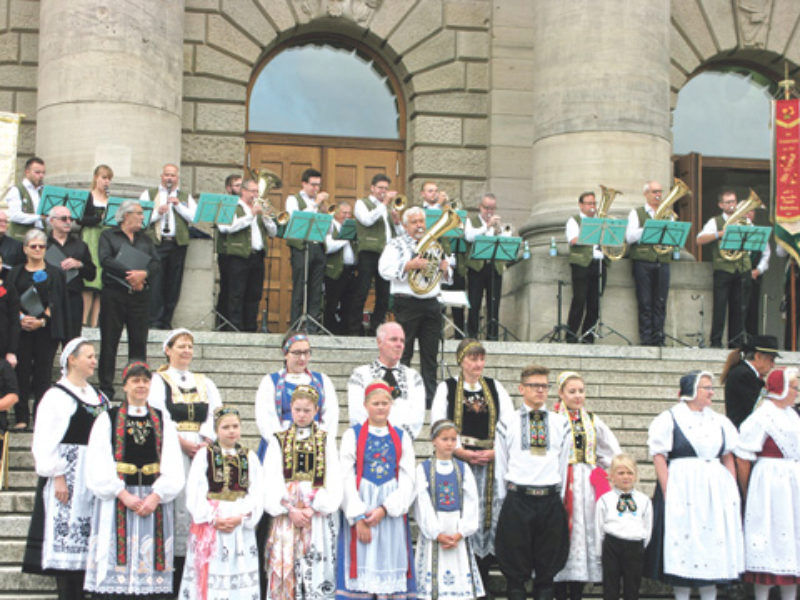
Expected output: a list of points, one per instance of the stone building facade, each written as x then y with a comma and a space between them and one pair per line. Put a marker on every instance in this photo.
534, 100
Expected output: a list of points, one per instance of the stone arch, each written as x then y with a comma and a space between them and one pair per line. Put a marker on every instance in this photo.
438, 50
757, 34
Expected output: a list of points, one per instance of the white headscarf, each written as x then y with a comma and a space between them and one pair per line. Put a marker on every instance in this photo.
70, 347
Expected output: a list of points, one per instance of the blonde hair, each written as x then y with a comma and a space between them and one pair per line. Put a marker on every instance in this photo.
623, 460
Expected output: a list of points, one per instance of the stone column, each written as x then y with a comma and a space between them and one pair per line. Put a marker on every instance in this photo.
109, 91
600, 105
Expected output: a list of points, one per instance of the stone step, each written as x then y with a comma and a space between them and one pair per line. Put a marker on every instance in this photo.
11, 578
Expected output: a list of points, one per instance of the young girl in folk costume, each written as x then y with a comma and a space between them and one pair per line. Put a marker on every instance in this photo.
303, 496
58, 540
189, 400
223, 495
593, 445
447, 514
136, 474
375, 558
476, 404
769, 474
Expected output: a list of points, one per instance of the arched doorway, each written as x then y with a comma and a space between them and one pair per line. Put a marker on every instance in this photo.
332, 105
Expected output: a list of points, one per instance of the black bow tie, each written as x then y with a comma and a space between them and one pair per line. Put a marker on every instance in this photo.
391, 380
626, 502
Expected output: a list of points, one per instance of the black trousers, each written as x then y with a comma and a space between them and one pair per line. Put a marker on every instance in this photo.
532, 534
585, 306
35, 354
421, 319
244, 285
70, 585
316, 272
622, 559
222, 305
165, 286
459, 283
731, 291
367, 271
486, 282
752, 322
652, 288
74, 323
119, 309
339, 293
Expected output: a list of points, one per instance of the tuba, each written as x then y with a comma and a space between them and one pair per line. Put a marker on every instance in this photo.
607, 197
425, 279
268, 180
664, 211
739, 217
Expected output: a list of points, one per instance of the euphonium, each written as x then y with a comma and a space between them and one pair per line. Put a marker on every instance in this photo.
267, 180
664, 211
607, 197
425, 279
739, 217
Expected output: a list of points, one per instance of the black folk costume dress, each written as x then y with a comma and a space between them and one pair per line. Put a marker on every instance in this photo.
133, 448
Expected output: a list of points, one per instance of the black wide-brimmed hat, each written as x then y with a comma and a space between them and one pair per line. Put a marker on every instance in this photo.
768, 344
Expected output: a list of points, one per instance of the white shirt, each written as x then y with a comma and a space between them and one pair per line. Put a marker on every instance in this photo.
513, 464
186, 381
408, 409
333, 245
292, 204
573, 230
248, 219
471, 232
626, 525
14, 203
397, 252
633, 232
368, 216
763, 264
167, 220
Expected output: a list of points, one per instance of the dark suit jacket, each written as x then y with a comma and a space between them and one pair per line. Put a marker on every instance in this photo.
742, 389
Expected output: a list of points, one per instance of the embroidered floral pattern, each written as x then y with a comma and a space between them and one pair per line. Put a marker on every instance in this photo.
379, 459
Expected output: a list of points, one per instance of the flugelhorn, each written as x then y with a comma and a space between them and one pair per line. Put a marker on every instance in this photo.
267, 181
400, 203
739, 217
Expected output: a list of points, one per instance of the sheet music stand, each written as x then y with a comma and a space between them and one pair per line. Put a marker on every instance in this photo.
348, 230
74, 200
216, 209
110, 218
495, 248
601, 232
434, 214
307, 227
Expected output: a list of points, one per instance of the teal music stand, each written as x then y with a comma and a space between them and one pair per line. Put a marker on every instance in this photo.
74, 200
665, 233
434, 214
307, 227
495, 248
216, 209
110, 218
348, 230
596, 231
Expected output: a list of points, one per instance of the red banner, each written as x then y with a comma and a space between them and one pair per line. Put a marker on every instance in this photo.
787, 160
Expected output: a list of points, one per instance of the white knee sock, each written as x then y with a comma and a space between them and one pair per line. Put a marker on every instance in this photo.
761, 591
681, 593
788, 592
708, 592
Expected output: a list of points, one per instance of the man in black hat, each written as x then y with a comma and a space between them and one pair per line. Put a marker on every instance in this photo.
743, 376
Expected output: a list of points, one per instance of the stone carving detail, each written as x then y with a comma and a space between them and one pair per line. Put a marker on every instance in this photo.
359, 11
753, 22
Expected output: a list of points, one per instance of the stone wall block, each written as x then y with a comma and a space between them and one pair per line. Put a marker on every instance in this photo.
472, 44
449, 161
517, 36
467, 13
513, 12
421, 22
18, 76
212, 179
681, 53
209, 61
24, 15
279, 12
194, 27
3, 14
388, 16
677, 78
781, 29
26, 142
688, 17
202, 4
721, 19
456, 103
439, 49
446, 77
248, 17
29, 48
512, 74
471, 193
509, 161
478, 76
26, 104
9, 47
212, 149
221, 117
187, 116
224, 35
207, 88
512, 130
7, 102
511, 102
437, 130
188, 58
476, 132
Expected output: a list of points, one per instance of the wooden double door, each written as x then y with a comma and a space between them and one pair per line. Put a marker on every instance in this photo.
347, 167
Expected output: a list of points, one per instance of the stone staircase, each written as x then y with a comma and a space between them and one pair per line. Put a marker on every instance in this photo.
626, 386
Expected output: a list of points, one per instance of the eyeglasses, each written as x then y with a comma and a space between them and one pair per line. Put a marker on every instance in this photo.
36, 246
65, 219
299, 353
656, 191
539, 387
707, 388
4, 221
